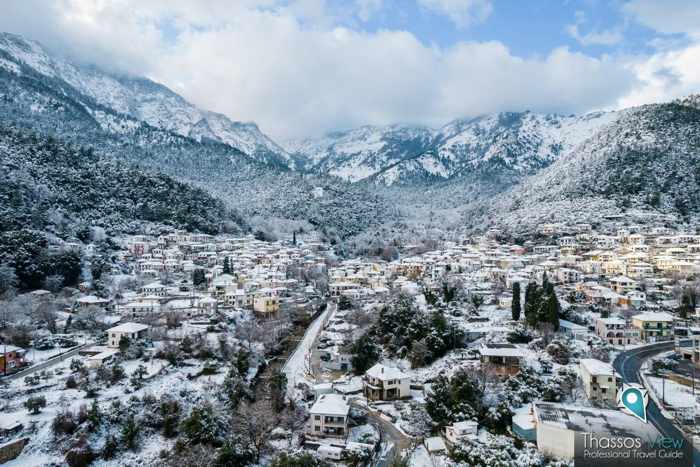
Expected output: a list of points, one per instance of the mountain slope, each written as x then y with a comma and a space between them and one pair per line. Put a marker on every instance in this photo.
48, 184
645, 164
506, 145
143, 100
47, 104
357, 154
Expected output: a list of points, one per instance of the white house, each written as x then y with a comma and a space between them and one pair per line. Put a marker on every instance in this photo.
329, 416
459, 432
131, 331
600, 381
386, 383
558, 427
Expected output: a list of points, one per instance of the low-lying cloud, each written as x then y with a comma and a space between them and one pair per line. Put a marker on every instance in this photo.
301, 75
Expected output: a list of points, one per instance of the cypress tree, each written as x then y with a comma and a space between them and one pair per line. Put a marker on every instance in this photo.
545, 282
551, 306
515, 306
532, 303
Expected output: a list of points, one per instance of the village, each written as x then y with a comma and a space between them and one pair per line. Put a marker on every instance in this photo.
469, 350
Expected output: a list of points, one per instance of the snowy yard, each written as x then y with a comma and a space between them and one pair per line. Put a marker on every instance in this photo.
674, 394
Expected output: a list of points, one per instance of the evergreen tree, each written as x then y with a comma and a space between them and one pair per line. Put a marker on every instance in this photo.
545, 281
364, 354
532, 299
552, 307
198, 277
227, 266
515, 306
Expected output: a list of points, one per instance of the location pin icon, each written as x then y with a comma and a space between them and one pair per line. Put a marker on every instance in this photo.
633, 400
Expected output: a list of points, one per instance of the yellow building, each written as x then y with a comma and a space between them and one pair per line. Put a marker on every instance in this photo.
654, 326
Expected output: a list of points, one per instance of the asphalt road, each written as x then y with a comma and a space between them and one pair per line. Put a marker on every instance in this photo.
393, 441
628, 364
45, 364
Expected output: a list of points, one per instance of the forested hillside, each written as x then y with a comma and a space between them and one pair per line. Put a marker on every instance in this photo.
50, 189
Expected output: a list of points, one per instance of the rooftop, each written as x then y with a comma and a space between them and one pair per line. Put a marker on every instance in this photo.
590, 420
331, 404
597, 367
129, 327
382, 372
651, 316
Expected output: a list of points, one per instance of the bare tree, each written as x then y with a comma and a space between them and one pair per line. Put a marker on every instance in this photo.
255, 424
248, 332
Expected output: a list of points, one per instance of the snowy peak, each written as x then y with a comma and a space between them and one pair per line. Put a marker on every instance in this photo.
142, 99
362, 152
517, 144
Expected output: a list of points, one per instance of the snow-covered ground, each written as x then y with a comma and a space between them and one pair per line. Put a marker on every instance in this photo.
675, 395
298, 365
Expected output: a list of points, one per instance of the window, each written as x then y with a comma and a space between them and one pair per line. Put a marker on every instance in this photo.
317, 417
317, 428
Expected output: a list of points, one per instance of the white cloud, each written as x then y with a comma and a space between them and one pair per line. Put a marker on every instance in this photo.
462, 13
665, 75
287, 67
594, 37
667, 16
368, 8
674, 69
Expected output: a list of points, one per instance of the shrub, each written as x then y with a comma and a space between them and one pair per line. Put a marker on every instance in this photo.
35, 404
63, 424
71, 383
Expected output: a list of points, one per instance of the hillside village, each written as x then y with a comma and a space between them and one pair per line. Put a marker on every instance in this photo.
462, 353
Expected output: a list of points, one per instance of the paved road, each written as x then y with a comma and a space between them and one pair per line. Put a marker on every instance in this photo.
45, 364
628, 364
298, 365
393, 441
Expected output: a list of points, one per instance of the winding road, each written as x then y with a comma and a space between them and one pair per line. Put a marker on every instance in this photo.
628, 364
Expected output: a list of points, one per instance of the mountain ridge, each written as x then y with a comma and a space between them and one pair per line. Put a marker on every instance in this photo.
147, 101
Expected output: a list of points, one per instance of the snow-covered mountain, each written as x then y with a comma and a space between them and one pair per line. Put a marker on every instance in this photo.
143, 100
35, 97
516, 144
644, 164
360, 153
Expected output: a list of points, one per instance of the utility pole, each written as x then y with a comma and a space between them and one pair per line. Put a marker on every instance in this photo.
663, 389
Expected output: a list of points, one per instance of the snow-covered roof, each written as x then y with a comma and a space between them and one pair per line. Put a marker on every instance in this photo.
612, 320
435, 444
10, 348
129, 327
652, 316
92, 299
569, 325
331, 404
596, 367
465, 425
591, 420
501, 350
382, 372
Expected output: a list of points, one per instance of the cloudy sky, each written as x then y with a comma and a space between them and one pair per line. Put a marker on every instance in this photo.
303, 67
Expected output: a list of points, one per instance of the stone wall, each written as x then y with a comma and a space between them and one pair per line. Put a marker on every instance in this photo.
12, 449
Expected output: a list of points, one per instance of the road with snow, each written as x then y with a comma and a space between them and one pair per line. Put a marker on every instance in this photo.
45, 364
628, 365
298, 366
